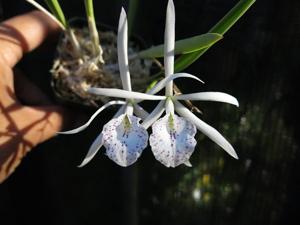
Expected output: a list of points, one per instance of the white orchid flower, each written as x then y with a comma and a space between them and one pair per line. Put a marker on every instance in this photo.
123, 136
172, 140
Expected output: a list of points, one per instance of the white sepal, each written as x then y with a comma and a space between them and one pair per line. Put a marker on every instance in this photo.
161, 84
119, 93
97, 144
154, 115
124, 139
172, 140
209, 131
84, 126
140, 112
169, 45
169, 39
122, 51
209, 96
120, 111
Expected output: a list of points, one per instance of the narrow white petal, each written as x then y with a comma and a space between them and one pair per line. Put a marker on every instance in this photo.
140, 112
209, 96
209, 131
120, 111
122, 51
84, 126
119, 93
97, 144
154, 115
169, 45
124, 139
161, 84
172, 140
42, 9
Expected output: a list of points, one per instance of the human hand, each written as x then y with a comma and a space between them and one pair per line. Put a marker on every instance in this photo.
22, 127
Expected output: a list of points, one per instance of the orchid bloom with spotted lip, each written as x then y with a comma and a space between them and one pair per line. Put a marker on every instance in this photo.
172, 140
123, 136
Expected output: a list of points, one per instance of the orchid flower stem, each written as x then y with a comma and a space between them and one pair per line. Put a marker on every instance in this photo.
89, 7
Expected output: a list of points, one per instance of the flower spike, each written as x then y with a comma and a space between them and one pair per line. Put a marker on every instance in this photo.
172, 140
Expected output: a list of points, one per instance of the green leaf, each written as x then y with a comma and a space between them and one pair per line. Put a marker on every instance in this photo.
152, 84
183, 46
221, 28
55, 8
89, 9
132, 12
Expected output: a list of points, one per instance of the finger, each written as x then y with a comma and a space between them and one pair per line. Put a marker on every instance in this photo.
24, 33
27, 127
43, 123
27, 92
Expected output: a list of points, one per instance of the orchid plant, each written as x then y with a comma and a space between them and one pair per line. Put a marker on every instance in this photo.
172, 140
125, 136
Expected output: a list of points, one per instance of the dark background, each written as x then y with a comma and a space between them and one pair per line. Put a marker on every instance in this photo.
257, 61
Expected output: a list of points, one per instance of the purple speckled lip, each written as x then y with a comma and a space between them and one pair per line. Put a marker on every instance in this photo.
124, 145
173, 146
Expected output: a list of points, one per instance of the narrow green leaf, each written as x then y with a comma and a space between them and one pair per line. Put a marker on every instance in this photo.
55, 8
89, 8
183, 46
132, 12
152, 84
221, 28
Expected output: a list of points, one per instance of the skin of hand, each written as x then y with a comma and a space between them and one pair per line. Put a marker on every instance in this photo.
22, 127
